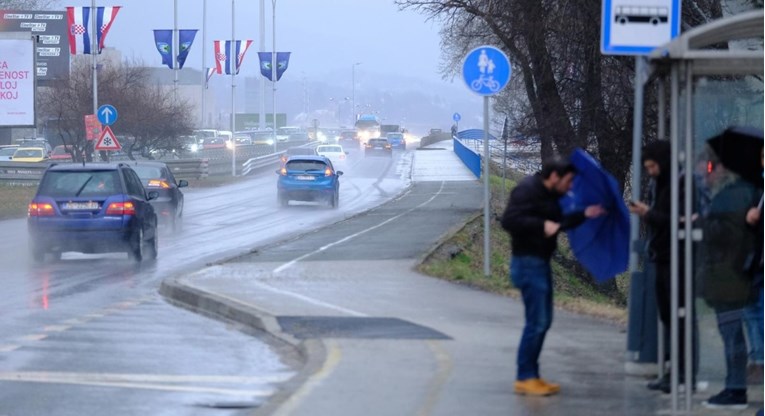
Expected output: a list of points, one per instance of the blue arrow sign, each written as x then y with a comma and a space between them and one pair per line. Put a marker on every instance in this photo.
486, 70
107, 114
456, 117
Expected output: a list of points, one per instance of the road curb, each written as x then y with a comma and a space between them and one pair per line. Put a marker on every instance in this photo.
312, 352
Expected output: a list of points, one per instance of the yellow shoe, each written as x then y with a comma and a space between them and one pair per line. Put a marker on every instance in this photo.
534, 387
553, 386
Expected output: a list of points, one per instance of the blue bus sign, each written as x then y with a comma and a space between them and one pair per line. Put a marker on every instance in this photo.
486, 70
107, 114
629, 27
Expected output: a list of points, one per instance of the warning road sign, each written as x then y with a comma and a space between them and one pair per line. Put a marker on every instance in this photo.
107, 141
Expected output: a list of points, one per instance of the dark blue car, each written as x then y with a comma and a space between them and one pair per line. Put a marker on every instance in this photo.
92, 208
308, 178
397, 140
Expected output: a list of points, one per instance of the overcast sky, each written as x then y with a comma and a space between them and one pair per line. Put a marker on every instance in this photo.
322, 35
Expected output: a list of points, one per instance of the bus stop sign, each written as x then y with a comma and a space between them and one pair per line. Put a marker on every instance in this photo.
630, 28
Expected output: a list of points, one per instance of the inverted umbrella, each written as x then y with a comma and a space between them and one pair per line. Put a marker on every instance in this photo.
600, 244
740, 150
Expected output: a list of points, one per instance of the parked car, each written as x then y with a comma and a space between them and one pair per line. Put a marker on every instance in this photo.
156, 176
308, 178
333, 152
30, 154
6, 153
62, 153
396, 140
378, 147
294, 151
92, 208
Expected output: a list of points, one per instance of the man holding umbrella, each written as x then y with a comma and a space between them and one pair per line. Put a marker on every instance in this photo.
534, 218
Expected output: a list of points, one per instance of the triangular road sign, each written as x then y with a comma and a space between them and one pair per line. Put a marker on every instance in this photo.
107, 141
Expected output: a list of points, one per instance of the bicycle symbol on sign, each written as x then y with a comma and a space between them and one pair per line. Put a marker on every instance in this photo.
486, 66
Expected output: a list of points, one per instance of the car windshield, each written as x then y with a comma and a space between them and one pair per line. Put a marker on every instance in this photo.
306, 165
28, 153
396, 136
59, 150
378, 142
329, 149
148, 172
300, 151
79, 183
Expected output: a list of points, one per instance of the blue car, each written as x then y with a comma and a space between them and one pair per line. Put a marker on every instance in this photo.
397, 140
92, 208
308, 178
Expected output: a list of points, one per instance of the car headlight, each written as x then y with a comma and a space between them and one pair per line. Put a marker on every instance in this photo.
194, 148
270, 142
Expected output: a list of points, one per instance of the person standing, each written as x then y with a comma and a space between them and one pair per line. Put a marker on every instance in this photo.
534, 218
753, 313
656, 158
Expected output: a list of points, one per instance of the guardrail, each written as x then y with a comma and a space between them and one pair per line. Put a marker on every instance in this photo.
260, 162
470, 158
21, 173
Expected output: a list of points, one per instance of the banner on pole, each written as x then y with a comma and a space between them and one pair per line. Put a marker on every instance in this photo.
79, 25
185, 40
92, 127
222, 52
163, 39
282, 62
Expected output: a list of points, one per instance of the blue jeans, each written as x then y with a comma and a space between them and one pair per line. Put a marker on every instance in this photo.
532, 276
730, 325
754, 326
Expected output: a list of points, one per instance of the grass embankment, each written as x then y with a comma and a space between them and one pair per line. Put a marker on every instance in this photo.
460, 259
14, 200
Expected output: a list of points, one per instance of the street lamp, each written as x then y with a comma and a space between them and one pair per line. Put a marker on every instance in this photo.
353, 92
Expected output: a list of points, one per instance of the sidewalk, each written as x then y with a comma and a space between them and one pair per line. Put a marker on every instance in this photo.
381, 339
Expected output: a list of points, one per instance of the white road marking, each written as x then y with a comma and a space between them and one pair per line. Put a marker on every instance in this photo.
9, 348
56, 328
154, 378
34, 337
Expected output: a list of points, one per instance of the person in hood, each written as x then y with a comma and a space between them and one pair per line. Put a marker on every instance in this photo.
655, 212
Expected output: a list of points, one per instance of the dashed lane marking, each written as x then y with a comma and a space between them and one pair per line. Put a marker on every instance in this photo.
9, 348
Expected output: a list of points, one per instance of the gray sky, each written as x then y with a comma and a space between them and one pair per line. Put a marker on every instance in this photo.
322, 35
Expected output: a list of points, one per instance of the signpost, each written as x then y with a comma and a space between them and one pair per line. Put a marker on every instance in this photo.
107, 141
457, 117
486, 71
107, 114
630, 29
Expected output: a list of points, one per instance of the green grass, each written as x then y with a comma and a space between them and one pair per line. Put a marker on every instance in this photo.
460, 259
14, 200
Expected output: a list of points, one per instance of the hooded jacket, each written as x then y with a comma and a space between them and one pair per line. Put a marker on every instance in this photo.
658, 216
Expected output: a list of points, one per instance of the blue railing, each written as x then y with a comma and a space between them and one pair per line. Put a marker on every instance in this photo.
470, 158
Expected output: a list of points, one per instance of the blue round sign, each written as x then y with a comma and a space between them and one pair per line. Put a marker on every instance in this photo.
456, 117
486, 70
107, 114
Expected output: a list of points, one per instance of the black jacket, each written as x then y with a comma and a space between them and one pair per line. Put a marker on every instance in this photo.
660, 202
530, 204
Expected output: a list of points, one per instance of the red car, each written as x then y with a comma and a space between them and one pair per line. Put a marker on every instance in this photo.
62, 153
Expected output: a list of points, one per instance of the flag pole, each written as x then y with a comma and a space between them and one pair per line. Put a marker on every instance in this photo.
233, 65
262, 115
176, 49
94, 54
273, 68
204, 61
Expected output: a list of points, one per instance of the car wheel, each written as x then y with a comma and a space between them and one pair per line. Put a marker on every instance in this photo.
137, 246
153, 246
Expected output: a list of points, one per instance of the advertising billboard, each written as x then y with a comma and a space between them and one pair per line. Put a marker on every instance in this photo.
52, 51
17, 81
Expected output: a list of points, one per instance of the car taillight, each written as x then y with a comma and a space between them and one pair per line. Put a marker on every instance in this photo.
283, 171
157, 183
327, 172
121, 208
40, 210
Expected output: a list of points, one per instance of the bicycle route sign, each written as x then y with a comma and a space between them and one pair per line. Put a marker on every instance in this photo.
486, 70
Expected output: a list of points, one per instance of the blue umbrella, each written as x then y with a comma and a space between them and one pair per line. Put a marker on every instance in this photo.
600, 244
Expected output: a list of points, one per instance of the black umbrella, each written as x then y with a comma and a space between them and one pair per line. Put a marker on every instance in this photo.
740, 150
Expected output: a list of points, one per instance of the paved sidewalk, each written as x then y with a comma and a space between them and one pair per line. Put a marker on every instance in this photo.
381, 339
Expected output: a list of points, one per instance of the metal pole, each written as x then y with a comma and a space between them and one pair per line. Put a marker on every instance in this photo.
662, 135
94, 54
262, 113
486, 207
202, 120
637, 142
504, 165
233, 65
176, 46
273, 67
674, 216
353, 94
687, 311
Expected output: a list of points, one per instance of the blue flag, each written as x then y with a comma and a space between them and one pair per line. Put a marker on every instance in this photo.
163, 39
185, 39
282, 62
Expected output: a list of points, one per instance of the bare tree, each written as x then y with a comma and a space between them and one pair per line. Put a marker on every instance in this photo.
28, 4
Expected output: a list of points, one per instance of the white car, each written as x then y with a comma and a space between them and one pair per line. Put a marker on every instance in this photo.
333, 152
6, 153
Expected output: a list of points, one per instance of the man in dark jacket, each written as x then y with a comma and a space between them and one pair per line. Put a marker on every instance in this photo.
533, 218
656, 157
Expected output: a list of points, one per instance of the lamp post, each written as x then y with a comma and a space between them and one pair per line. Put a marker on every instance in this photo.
273, 68
353, 92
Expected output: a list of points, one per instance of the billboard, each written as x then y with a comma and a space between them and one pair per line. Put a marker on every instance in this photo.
52, 45
17, 81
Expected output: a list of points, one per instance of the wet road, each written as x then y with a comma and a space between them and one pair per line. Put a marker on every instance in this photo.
89, 332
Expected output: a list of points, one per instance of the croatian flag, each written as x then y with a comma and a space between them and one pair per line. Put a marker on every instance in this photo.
79, 25
210, 72
222, 52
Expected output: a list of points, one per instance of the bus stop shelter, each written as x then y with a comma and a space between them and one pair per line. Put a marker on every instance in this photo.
707, 79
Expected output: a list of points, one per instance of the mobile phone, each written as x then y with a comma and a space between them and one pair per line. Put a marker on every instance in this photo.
632, 203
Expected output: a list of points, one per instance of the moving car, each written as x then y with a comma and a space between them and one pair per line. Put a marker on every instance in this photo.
308, 178
92, 208
6, 153
294, 151
62, 153
378, 147
333, 152
156, 176
38, 142
214, 143
30, 154
348, 135
397, 140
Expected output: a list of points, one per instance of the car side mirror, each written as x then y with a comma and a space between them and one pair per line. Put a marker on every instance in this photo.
183, 183
153, 195
339, 173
